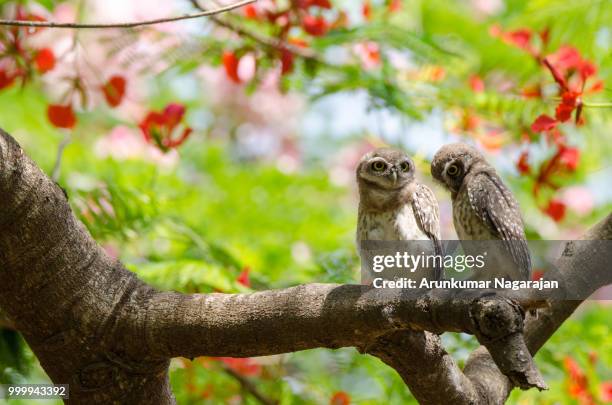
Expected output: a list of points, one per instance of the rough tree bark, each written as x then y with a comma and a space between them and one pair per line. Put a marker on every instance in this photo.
96, 326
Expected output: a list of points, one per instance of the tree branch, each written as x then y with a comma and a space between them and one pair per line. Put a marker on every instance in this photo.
248, 386
50, 24
266, 42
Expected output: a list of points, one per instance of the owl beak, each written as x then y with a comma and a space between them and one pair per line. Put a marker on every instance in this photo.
393, 175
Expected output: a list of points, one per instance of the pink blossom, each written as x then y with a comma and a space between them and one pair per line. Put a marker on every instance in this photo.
125, 143
369, 54
264, 122
578, 199
247, 67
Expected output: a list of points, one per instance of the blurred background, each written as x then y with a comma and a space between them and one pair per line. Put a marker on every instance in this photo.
218, 154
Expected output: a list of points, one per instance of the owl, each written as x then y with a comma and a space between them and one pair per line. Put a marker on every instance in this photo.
484, 209
393, 206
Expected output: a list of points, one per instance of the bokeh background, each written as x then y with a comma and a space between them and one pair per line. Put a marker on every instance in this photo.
219, 154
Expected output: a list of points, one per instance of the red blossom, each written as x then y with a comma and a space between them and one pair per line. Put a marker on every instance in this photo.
45, 60
299, 42
569, 157
567, 59
519, 38
606, 391
114, 90
533, 91
569, 102
578, 386
537, 275
61, 116
286, 61
318, 3
315, 25
555, 210
477, 84
340, 398
243, 366
250, 11
366, 10
570, 71
230, 62
6, 79
160, 128
395, 5
543, 123
243, 278
523, 163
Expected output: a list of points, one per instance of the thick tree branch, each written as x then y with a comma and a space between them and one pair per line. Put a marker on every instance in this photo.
428, 370
50, 24
583, 268
94, 325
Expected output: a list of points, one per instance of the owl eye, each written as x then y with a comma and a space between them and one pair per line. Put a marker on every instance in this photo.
453, 170
405, 166
379, 166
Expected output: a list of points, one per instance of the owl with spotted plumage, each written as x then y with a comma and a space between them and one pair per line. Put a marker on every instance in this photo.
484, 209
393, 206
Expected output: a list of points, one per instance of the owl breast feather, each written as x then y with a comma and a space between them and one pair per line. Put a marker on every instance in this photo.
398, 224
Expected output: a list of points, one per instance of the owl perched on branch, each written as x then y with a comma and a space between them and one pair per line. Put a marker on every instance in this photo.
393, 206
484, 209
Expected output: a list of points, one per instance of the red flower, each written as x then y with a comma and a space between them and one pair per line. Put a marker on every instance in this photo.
114, 90
230, 62
340, 398
243, 277
563, 65
395, 5
315, 26
366, 10
533, 91
606, 391
160, 128
246, 367
45, 60
299, 42
523, 165
250, 11
6, 79
519, 38
319, 3
543, 123
578, 386
61, 116
286, 61
477, 84
569, 157
566, 60
569, 101
537, 275
555, 210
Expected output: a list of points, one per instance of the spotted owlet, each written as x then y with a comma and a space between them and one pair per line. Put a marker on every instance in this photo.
484, 209
393, 206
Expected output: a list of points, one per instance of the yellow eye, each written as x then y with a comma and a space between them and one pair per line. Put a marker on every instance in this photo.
405, 166
453, 170
379, 166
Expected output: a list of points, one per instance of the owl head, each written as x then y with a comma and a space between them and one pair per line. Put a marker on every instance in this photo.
453, 162
385, 168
